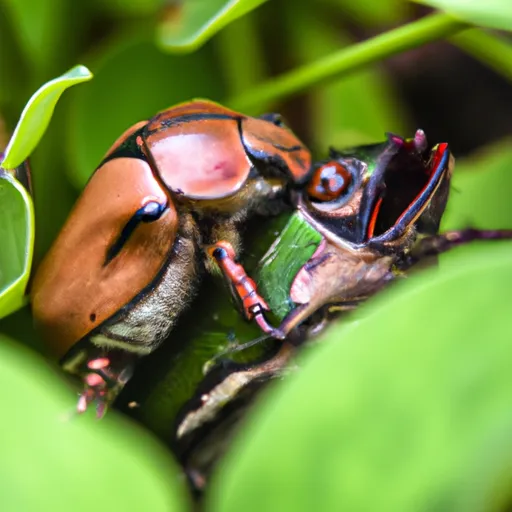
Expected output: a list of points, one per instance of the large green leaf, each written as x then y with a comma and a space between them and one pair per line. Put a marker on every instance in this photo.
491, 13
190, 25
37, 114
54, 459
406, 409
121, 95
17, 236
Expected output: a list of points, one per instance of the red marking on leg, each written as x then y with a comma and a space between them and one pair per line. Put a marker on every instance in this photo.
94, 380
244, 286
99, 363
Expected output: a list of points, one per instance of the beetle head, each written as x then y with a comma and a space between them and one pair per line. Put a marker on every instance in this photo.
375, 196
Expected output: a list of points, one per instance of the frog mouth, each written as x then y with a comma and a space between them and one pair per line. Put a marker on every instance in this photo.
402, 186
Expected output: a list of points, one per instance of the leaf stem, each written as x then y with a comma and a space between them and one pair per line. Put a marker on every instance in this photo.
430, 28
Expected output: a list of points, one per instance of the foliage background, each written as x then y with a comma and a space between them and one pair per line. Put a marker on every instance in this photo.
459, 91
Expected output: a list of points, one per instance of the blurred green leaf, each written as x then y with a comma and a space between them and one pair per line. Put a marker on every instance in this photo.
242, 60
122, 94
373, 12
190, 24
493, 50
334, 65
38, 25
37, 114
54, 195
17, 235
407, 408
491, 13
131, 8
481, 190
357, 109
11, 65
54, 459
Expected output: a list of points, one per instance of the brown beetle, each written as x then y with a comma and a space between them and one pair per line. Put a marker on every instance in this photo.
129, 257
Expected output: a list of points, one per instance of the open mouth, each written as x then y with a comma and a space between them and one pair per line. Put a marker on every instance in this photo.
401, 187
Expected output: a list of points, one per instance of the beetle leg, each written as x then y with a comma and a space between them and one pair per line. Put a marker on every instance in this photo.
437, 244
103, 373
244, 288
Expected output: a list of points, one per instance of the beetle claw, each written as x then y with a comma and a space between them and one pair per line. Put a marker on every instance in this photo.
103, 377
96, 391
264, 325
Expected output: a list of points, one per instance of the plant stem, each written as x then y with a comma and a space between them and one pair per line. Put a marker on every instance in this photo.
428, 29
489, 49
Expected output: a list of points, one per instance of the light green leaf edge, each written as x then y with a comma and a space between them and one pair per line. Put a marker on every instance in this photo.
490, 13
13, 296
37, 114
232, 10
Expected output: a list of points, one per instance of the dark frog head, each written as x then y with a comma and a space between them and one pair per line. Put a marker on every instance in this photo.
358, 217
379, 195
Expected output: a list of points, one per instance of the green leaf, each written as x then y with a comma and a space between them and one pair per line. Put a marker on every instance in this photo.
55, 459
17, 235
38, 26
131, 8
407, 408
373, 12
491, 13
121, 95
190, 25
242, 60
481, 190
37, 114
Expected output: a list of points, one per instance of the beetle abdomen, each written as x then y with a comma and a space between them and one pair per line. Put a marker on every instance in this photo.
78, 286
147, 320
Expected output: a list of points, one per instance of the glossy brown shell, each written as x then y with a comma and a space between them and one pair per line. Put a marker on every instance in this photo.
203, 150
74, 291
199, 149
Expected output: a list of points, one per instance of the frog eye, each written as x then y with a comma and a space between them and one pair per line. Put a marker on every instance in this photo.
330, 182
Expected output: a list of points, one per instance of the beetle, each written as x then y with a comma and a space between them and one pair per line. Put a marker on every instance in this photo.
130, 255
376, 211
